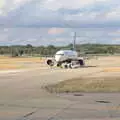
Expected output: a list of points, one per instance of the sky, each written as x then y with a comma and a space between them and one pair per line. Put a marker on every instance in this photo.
45, 22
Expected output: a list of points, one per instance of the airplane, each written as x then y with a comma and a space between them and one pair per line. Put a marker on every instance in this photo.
66, 58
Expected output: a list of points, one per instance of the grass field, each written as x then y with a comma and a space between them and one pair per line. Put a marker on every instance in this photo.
101, 84
8, 63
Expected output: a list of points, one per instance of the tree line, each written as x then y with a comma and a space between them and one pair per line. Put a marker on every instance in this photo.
50, 50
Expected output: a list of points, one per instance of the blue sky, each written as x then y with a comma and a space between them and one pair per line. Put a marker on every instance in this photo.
44, 22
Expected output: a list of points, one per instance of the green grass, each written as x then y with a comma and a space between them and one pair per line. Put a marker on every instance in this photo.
101, 84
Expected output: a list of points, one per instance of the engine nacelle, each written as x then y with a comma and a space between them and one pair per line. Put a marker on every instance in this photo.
50, 62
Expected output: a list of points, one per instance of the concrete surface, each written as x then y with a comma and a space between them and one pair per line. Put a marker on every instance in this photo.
22, 96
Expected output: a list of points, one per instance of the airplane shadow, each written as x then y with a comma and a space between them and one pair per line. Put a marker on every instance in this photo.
89, 66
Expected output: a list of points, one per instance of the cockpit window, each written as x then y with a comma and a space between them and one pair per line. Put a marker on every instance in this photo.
60, 54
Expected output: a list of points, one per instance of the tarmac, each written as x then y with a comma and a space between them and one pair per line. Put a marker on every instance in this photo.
22, 97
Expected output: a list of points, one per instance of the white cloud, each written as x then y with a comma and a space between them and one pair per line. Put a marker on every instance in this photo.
8, 5
73, 4
82, 16
47, 13
2, 3
114, 13
17, 3
1, 12
116, 41
115, 33
37, 36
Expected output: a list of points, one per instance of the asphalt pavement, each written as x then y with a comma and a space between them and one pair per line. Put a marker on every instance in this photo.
22, 97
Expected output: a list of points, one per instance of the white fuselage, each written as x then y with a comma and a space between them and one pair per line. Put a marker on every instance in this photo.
64, 55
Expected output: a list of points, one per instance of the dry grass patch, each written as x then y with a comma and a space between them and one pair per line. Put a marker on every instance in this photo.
112, 69
18, 62
8, 66
88, 84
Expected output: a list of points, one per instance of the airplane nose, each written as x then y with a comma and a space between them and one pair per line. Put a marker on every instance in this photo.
58, 58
